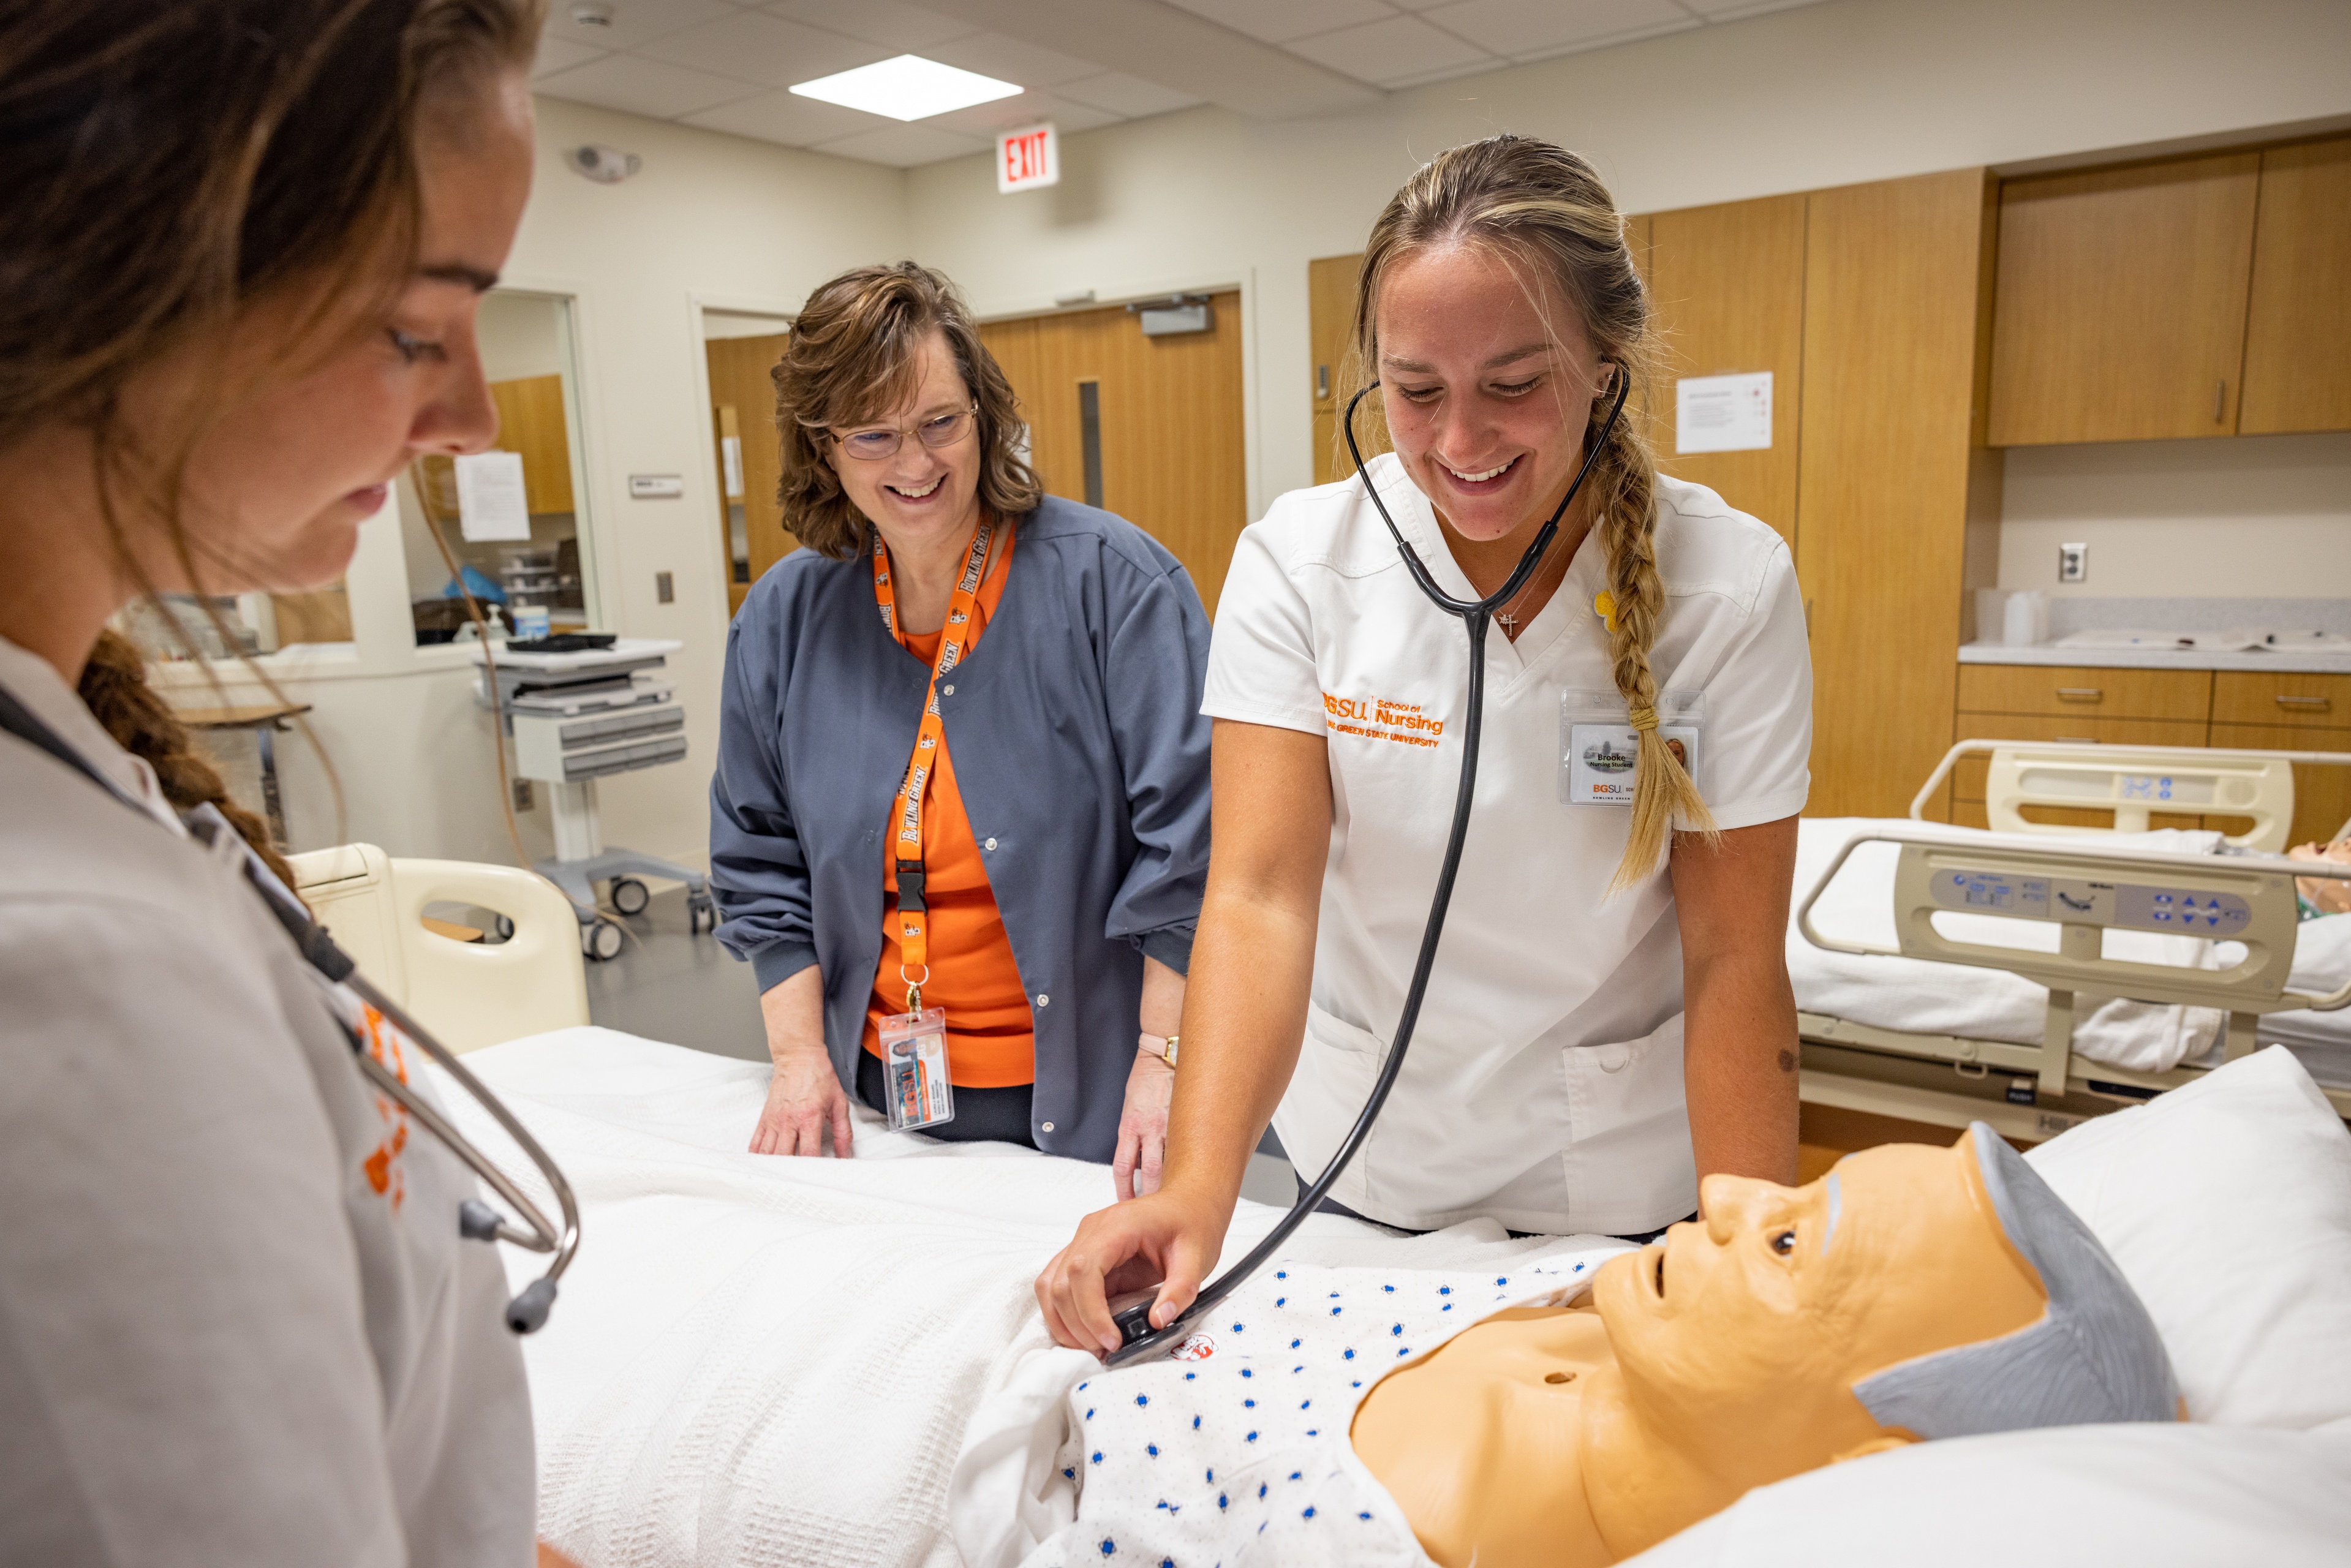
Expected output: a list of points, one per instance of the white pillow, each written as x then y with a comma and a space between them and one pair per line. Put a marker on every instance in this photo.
2227, 1206
2152, 1495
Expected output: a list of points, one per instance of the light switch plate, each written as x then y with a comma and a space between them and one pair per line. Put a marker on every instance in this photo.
664, 588
2072, 563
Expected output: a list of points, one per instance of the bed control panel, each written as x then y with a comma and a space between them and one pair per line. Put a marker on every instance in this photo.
2137, 906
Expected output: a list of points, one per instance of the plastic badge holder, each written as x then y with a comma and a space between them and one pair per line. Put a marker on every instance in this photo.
915, 1069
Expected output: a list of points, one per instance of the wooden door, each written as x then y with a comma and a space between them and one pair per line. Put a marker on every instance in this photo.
1330, 311
2298, 324
2121, 312
1167, 450
1896, 289
1727, 284
743, 405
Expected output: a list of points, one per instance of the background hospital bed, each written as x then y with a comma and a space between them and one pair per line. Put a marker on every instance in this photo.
2035, 1088
520, 973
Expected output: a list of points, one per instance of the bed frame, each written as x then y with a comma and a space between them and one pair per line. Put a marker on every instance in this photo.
2036, 1092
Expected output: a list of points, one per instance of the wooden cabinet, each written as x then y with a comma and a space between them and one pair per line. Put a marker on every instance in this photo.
531, 421
2121, 311
1727, 284
2293, 713
2298, 324
1892, 473
2294, 701
2085, 693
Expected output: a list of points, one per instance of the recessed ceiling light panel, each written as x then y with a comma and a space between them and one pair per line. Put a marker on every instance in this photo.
908, 88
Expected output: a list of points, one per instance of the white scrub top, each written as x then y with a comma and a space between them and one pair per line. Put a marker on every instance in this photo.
1544, 1084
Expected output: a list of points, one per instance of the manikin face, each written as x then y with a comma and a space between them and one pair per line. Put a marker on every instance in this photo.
920, 497
1487, 404
278, 485
1740, 1336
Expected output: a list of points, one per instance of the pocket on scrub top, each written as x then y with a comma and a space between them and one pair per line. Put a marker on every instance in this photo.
1628, 1163
1337, 1064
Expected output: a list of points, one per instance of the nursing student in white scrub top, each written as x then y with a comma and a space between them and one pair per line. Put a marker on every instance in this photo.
1610, 1017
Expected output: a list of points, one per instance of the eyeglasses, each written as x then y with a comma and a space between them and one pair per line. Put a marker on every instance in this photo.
873, 445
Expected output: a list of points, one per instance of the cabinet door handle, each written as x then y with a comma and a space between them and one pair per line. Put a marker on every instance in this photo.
2081, 694
2284, 701
2220, 400
2077, 740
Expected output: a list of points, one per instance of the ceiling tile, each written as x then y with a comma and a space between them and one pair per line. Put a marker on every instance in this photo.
651, 88
1011, 113
1383, 52
634, 22
897, 26
1009, 59
1279, 21
1521, 27
763, 48
903, 146
1129, 96
560, 54
787, 118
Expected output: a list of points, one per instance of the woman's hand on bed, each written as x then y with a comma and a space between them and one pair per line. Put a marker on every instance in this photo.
804, 1099
1167, 1238
1143, 1126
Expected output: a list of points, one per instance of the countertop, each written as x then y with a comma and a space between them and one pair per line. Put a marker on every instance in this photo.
2275, 664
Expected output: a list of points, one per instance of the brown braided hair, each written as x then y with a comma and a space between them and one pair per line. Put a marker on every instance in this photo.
114, 688
1538, 204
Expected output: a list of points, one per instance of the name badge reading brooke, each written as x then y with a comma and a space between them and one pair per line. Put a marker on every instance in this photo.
1598, 746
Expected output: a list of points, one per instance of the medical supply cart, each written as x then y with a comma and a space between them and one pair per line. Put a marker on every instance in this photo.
579, 714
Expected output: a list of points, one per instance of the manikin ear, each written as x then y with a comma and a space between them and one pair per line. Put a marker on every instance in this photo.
1884, 1442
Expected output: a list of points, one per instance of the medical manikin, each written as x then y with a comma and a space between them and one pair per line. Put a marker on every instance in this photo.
1910, 1294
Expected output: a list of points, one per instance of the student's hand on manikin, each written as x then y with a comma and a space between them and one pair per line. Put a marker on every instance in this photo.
1169, 1240
1143, 1126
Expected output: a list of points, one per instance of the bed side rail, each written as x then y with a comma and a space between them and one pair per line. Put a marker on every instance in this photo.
2086, 890
2135, 781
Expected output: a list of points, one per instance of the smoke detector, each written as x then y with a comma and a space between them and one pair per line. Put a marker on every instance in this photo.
592, 13
605, 165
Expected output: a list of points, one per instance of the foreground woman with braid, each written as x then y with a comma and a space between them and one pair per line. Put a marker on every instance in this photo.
1610, 1017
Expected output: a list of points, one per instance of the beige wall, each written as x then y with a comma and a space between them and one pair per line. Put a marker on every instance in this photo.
1828, 95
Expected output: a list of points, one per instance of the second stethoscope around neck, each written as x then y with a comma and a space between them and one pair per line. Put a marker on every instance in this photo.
1137, 1337
476, 1220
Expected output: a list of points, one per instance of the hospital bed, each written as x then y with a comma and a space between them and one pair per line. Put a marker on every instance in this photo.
1948, 974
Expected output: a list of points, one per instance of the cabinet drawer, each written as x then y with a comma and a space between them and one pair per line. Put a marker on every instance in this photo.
1967, 773
2091, 693
2292, 702
2322, 794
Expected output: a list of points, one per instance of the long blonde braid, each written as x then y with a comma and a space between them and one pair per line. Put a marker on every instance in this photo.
1538, 202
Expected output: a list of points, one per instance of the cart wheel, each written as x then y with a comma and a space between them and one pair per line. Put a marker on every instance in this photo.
629, 895
599, 941
701, 915
505, 927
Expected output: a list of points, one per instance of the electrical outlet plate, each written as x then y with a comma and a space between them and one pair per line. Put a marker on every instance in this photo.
2073, 563
664, 588
522, 795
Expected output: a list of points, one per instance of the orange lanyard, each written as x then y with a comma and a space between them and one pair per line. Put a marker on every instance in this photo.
906, 811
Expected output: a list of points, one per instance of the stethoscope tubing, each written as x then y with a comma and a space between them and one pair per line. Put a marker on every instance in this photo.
1475, 615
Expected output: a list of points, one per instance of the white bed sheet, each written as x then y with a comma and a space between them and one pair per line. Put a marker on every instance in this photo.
760, 1361
1921, 997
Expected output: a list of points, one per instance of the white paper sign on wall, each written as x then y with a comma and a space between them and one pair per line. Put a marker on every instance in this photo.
491, 501
1027, 159
1723, 413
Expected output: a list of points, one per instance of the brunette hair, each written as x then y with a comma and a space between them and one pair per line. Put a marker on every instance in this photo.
114, 688
1541, 206
851, 357
169, 164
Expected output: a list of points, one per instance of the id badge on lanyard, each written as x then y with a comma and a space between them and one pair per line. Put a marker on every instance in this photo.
914, 1042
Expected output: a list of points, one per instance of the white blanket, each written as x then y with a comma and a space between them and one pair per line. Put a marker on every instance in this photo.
761, 1360
1919, 997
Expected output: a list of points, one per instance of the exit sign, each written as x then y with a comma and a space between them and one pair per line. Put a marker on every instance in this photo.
1027, 159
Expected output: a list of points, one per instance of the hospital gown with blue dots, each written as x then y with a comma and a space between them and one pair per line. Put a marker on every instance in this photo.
1241, 1454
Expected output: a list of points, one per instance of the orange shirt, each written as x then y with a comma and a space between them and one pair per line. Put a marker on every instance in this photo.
991, 1035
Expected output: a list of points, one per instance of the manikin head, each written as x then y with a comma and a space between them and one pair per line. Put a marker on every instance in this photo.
1911, 1293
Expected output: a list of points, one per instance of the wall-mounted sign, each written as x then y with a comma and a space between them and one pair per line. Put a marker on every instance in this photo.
656, 487
1028, 158
1723, 413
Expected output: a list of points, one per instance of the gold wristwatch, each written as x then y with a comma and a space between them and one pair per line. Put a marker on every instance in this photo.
1163, 1048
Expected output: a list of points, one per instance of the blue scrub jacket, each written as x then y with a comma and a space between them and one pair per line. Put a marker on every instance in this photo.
1078, 747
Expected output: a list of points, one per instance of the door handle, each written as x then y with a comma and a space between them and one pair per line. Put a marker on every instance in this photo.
2081, 694
2220, 400
2284, 701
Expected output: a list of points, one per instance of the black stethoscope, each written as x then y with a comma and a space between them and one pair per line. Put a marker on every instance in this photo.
476, 1220
1137, 1338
